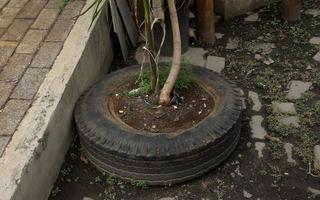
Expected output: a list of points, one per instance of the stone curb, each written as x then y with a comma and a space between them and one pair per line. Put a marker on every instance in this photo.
36, 152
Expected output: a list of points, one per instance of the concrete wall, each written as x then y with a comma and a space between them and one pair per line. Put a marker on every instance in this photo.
231, 8
34, 156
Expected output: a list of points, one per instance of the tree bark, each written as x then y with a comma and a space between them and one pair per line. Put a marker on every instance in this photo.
165, 95
205, 19
150, 46
291, 10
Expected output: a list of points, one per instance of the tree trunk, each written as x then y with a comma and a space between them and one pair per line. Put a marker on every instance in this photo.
291, 10
151, 47
165, 95
205, 19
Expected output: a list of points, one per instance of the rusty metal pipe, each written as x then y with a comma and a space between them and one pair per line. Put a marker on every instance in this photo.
205, 20
291, 10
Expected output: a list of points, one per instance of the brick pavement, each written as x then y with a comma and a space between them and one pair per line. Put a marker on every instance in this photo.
32, 33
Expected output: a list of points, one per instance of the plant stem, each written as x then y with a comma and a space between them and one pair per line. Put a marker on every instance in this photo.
151, 47
176, 60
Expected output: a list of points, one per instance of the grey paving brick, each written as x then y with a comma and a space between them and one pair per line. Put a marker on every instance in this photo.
78, 5
6, 50
3, 3
29, 83
7, 15
60, 31
11, 115
17, 3
72, 10
32, 9
54, 4
17, 29
15, 67
3, 144
5, 91
2, 30
46, 19
31, 41
47, 54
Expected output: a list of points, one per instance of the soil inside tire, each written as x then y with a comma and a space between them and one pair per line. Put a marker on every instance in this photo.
141, 113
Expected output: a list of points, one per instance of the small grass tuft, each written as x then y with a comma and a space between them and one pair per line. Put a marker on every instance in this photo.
184, 80
139, 184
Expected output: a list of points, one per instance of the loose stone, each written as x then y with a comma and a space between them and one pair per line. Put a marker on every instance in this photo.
283, 108
292, 121
288, 149
297, 89
252, 18
247, 194
257, 130
315, 40
255, 99
259, 146
316, 151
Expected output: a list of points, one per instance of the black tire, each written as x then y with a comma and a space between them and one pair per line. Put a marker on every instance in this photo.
158, 160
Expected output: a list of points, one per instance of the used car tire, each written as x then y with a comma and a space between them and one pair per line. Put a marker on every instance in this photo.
161, 159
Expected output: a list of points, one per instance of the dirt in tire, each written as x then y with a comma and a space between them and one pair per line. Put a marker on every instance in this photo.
143, 113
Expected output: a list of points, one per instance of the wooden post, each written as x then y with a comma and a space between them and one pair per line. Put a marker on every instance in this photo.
291, 10
205, 18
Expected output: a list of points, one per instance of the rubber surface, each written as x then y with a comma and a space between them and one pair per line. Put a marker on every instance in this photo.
160, 159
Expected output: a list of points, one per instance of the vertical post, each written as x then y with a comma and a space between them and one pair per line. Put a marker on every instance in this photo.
291, 10
205, 18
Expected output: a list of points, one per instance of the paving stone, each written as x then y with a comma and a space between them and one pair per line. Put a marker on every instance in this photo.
195, 56
7, 15
232, 43
29, 83
297, 89
46, 19
70, 13
54, 4
313, 12
216, 63
255, 99
219, 36
17, 3
6, 50
288, 148
315, 40
292, 121
283, 108
60, 31
17, 29
78, 5
252, 18
3, 3
317, 57
316, 161
15, 67
258, 132
3, 144
31, 41
12, 115
46, 54
32, 9
259, 146
5, 91
2, 30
